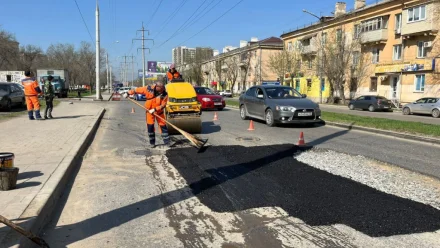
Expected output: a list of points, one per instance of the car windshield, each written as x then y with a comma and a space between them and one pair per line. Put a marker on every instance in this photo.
204, 91
282, 92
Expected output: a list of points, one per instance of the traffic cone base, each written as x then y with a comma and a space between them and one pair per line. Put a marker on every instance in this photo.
251, 126
132, 110
215, 117
301, 141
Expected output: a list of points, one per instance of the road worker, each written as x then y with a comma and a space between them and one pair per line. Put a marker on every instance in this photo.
156, 100
173, 74
48, 95
31, 92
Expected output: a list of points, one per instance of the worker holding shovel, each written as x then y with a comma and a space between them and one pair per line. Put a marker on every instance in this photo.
156, 101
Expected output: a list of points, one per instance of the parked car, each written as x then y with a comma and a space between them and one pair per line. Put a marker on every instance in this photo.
226, 93
139, 97
11, 95
372, 103
427, 105
278, 104
122, 90
209, 99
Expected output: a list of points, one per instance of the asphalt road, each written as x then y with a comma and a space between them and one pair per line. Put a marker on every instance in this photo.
396, 115
245, 190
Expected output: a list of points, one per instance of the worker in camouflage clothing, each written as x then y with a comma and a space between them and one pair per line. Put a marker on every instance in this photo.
48, 95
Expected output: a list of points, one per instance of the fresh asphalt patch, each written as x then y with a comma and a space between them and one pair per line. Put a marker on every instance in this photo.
236, 178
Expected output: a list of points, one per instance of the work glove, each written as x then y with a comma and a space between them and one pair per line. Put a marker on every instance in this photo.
151, 111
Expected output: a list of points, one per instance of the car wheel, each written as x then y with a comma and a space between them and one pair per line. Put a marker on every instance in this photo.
269, 118
436, 113
243, 112
406, 111
351, 107
371, 108
23, 103
220, 109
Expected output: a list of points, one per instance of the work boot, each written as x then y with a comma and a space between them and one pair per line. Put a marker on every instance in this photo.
152, 146
45, 114
50, 114
31, 115
37, 115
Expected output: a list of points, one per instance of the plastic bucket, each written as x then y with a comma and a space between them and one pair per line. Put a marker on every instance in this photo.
6, 159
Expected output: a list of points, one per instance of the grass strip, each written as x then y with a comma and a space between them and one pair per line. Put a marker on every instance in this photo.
18, 112
383, 124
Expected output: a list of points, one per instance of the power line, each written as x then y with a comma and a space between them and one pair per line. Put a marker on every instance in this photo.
84, 21
212, 22
174, 34
170, 17
154, 13
200, 17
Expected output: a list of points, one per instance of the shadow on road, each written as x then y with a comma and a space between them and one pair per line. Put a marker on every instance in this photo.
70, 117
29, 174
27, 184
209, 127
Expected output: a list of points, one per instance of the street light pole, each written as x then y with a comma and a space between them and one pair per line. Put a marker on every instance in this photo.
98, 49
321, 55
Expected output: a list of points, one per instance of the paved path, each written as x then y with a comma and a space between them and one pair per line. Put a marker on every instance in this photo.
40, 147
247, 190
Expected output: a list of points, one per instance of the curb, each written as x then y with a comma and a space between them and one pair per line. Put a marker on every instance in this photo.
40, 209
379, 131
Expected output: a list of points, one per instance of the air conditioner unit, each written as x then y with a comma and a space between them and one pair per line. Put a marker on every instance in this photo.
427, 44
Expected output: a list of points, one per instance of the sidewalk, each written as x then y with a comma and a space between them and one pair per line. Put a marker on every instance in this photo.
44, 152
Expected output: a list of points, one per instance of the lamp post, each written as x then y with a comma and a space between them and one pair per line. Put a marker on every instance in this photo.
321, 54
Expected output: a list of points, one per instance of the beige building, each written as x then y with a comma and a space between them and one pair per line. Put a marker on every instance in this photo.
242, 67
398, 39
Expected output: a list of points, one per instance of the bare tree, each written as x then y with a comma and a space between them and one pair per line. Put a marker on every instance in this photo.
8, 50
218, 70
233, 70
283, 62
245, 61
343, 62
28, 56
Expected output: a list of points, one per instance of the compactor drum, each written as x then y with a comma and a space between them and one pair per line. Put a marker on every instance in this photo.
183, 110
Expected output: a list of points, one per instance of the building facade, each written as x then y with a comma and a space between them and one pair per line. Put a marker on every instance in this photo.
183, 55
241, 68
397, 43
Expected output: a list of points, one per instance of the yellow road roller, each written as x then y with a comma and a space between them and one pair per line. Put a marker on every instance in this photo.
183, 110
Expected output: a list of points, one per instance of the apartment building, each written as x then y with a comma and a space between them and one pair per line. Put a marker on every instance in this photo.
183, 55
243, 67
398, 42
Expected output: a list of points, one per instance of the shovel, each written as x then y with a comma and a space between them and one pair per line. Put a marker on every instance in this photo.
23, 232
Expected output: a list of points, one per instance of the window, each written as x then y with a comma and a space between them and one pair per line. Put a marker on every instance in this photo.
357, 31
323, 84
432, 100
373, 24
356, 58
309, 84
250, 92
310, 63
297, 84
289, 46
368, 98
423, 100
398, 23
375, 56
360, 98
397, 52
419, 83
324, 38
417, 13
373, 84
259, 92
421, 50
339, 35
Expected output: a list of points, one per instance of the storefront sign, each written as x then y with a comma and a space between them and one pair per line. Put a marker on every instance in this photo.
416, 65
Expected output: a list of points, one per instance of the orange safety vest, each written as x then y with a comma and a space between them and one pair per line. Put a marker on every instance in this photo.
157, 102
31, 87
172, 76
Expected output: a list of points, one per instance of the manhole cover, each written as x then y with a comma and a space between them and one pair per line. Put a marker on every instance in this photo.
247, 139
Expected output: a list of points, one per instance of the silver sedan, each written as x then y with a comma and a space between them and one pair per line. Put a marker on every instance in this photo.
427, 105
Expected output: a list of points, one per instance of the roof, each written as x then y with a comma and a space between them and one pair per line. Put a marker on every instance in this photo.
267, 40
327, 19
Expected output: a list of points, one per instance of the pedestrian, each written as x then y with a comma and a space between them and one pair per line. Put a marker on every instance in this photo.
156, 100
48, 95
31, 92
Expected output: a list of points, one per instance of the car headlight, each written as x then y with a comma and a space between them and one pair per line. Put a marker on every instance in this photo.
172, 99
205, 99
194, 99
285, 108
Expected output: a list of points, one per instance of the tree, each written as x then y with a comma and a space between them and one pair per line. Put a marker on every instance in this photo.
218, 70
233, 70
28, 56
283, 62
343, 61
8, 50
245, 61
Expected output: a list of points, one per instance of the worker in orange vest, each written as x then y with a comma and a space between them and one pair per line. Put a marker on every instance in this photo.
157, 98
31, 92
173, 74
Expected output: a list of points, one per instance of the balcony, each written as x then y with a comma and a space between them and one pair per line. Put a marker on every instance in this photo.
309, 49
427, 25
380, 35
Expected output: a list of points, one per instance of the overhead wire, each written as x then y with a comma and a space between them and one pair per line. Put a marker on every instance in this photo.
203, 29
170, 18
85, 24
201, 16
154, 13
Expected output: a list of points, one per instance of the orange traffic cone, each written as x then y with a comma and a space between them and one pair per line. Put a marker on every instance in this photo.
215, 117
251, 126
301, 139
132, 110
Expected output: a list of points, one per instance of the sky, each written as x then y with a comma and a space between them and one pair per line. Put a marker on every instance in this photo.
59, 21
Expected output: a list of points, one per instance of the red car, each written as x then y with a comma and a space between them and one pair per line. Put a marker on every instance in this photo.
209, 99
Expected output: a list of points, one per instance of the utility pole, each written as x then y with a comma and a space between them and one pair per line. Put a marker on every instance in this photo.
108, 80
132, 71
111, 80
98, 55
143, 50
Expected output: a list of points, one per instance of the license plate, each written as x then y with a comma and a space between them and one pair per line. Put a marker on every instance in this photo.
184, 107
385, 107
217, 103
305, 114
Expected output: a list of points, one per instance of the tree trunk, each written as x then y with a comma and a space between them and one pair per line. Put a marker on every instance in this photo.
341, 94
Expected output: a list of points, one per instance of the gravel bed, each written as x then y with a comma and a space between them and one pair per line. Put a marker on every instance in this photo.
384, 177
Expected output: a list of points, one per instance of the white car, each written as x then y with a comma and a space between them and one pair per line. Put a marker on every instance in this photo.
226, 93
122, 90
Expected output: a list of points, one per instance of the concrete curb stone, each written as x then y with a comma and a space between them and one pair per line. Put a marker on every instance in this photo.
38, 213
379, 131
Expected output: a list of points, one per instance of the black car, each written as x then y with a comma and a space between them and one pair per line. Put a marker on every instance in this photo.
372, 103
11, 95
